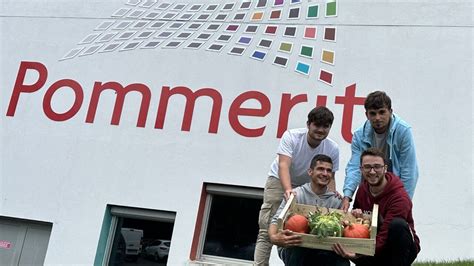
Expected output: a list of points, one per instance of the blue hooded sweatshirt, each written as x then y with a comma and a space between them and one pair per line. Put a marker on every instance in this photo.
401, 152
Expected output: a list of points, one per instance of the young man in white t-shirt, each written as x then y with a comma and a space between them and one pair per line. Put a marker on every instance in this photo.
289, 169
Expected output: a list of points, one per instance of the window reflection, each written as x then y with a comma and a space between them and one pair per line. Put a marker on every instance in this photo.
141, 242
232, 227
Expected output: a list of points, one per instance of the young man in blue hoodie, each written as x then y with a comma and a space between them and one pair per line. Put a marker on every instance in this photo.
387, 132
315, 192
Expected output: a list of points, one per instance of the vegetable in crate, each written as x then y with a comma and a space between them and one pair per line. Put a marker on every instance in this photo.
324, 225
297, 223
355, 230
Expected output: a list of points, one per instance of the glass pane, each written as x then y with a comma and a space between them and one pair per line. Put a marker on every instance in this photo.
232, 227
141, 242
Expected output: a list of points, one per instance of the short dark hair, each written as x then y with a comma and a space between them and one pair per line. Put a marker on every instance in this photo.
320, 158
377, 100
320, 116
373, 152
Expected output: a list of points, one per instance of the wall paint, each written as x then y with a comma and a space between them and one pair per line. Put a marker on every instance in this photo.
66, 172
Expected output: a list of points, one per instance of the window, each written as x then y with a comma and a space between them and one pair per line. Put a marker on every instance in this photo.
134, 235
229, 223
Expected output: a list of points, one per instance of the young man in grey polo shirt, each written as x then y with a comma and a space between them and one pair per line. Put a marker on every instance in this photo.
313, 193
290, 169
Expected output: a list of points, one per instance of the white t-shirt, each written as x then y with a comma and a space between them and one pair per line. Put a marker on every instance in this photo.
295, 145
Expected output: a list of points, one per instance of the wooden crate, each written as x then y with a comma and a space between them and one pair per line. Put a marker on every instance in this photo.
365, 246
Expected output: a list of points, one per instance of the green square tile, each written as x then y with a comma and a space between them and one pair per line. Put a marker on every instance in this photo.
331, 9
306, 51
313, 11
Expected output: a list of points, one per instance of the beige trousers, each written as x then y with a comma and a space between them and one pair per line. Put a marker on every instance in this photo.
272, 197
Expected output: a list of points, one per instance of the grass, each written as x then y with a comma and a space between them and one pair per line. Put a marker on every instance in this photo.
446, 263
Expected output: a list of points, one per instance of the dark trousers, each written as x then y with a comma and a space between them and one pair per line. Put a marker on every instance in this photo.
399, 249
315, 257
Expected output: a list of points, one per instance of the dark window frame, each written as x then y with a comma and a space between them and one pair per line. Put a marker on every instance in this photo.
117, 212
209, 190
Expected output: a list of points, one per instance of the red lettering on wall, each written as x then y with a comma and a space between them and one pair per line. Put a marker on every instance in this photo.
191, 97
236, 110
287, 103
20, 87
121, 93
349, 100
79, 97
321, 100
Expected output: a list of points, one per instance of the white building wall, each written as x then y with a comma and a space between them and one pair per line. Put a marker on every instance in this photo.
420, 53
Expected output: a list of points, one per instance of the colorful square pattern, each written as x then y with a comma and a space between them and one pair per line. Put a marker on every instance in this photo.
250, 28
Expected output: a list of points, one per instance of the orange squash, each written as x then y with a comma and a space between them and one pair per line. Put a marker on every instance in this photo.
356, 231
297, 223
